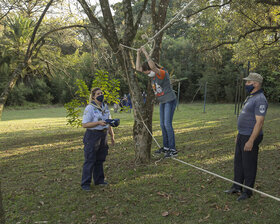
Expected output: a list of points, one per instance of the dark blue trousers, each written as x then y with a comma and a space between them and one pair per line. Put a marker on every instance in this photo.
95, 152
245, 162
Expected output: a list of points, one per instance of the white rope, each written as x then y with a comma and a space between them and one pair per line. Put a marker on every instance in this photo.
132, 48
214, 174
150, 132
224, 178
167, 24
163, 28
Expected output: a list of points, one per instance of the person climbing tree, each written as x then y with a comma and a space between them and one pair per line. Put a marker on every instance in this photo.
167, 98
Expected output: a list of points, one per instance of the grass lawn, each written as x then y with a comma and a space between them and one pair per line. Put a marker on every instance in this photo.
41, 164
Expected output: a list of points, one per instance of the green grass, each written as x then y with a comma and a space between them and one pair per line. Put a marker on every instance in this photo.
41, 164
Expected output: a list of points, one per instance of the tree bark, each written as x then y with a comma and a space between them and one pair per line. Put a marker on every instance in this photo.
142, 113
2, 213
4, 95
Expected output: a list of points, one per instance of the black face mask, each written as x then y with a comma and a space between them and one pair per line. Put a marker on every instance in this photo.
100, 98
249, 88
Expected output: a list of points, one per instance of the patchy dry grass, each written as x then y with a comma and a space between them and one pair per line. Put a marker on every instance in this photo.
41, 163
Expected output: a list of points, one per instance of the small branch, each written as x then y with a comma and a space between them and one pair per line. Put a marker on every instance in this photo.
269, 2
273, 28
55, 30
242, 13
208, 7
11, 7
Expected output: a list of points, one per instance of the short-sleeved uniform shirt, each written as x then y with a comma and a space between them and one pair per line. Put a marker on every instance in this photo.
93, 114
162, 87
256, 104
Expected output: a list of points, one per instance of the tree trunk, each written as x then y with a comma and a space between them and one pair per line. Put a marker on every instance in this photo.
9, 87
142, 112
2, 213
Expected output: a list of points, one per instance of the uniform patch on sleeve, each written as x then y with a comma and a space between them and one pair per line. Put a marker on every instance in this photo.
262, 109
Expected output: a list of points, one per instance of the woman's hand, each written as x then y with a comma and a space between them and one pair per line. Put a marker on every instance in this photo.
102, 123
113, 140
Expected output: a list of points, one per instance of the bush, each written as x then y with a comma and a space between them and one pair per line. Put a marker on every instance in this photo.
18, 95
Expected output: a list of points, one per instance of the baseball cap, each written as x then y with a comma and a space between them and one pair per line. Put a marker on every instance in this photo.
254, 77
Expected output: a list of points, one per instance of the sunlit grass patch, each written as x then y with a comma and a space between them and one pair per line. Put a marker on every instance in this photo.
42, 157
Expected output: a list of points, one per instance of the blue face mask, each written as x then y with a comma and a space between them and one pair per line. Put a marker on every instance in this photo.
249, 88
100, 98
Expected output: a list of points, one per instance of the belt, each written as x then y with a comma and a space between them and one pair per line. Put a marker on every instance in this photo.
103, 130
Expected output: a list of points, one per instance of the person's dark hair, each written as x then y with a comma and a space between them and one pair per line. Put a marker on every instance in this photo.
92, 93
146, 67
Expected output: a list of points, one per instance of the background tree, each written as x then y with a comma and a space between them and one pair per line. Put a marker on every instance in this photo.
22, 66
33, 55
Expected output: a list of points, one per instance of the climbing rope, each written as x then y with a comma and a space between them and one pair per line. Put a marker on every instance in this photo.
216, 175
163, 28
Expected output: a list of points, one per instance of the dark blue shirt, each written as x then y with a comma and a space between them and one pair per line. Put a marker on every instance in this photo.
255, 104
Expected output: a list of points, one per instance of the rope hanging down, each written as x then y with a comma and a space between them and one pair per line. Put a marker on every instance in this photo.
163, 28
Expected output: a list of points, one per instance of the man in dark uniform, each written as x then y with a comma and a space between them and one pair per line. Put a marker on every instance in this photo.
250, 135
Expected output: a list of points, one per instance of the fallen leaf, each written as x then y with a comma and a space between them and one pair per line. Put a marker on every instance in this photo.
41, 202
176, 213
226, 208
164, 214
204, 219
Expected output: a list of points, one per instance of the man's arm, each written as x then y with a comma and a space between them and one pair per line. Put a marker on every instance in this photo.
256, 131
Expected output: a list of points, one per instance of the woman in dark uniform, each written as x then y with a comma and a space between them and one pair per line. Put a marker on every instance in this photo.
95, 139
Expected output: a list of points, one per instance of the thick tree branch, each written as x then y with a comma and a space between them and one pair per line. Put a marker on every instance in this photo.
140, 14
109, 24
91, 16
131, 27
128, 18
28, 53
128, 15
